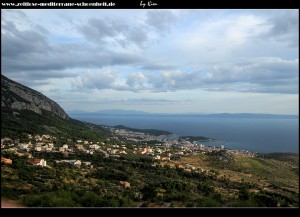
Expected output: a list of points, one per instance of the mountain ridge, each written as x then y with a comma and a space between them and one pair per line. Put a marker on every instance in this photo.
27, 111
17, 96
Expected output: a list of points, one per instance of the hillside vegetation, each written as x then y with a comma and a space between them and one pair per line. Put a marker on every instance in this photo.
16, 124
254, 183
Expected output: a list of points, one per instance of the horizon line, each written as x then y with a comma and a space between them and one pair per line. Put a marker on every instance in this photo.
178, 113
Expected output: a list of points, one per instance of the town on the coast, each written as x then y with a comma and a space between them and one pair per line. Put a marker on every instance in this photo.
161, 149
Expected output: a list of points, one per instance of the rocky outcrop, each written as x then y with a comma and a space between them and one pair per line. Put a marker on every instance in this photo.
17, 96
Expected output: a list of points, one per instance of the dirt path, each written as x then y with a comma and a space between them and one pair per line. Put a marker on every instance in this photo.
7, 203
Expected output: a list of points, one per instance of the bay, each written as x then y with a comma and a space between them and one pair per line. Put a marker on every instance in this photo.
253, 134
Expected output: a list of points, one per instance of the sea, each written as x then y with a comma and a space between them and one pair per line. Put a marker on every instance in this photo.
264, 135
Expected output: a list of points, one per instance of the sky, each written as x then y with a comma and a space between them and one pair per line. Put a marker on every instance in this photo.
160, 61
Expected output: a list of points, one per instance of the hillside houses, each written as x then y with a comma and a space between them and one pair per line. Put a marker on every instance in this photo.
79, 146
38, 148
6, 140
167, 151
23, 146
37, 162
76, 163
125, 184
6, 160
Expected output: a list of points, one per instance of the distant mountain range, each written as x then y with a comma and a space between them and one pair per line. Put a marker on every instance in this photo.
110, 112
77, 113
251, 115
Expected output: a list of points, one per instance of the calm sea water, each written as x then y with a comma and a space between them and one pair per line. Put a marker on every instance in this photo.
259, 135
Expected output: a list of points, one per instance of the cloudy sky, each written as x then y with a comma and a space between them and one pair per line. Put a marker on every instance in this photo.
175, 61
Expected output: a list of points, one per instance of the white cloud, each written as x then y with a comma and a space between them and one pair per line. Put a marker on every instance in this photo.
158, 53
264, 74
100, 80
136, 80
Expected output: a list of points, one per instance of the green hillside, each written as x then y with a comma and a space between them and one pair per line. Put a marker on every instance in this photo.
253, 183
15, 123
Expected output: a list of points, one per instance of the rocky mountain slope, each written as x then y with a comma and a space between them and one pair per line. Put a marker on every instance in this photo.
17, 96
26, 111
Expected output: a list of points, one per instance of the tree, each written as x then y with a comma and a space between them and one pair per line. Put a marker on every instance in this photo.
244, 194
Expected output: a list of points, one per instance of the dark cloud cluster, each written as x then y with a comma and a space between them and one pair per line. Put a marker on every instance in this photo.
285, 28
16, 43
157, 66
117, 32
30, 53
34, 53
114, 31
258, 75
160, 20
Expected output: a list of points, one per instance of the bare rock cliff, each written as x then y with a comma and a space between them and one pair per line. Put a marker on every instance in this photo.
17, 96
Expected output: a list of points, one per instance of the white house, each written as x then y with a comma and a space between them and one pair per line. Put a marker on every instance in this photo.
77, 163
87, 163
157, 157
113, 151
23, 146
38, 162
38, 148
